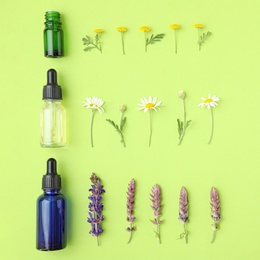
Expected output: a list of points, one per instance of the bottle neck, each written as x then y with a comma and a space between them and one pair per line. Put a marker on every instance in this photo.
52, 19
52, 100
51, 192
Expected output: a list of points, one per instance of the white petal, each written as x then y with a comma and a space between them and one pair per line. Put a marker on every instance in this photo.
150, 99
145, 100
145, 110
159, 103
142, 101
209, 96
140, 108
154, 100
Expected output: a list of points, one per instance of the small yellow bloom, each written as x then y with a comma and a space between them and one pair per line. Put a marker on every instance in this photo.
98, 30
175, 26
145, 28
198, 25
121, 29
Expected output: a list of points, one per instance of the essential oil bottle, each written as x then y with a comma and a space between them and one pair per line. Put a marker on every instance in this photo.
52, 114
51, 212
53, 35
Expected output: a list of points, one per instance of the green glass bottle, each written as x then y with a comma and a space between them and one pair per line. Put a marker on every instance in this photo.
53, 35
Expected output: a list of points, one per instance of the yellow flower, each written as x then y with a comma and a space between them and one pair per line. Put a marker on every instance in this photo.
98, 30
175, 26
198, 25
145, 28
121, 29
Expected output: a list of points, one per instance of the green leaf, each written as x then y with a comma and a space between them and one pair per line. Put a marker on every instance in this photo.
179, 127
187, 123
89, 48
204, 37
154, 39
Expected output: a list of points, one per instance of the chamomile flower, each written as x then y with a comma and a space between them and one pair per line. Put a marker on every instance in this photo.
93, 103
149, 104
210, 102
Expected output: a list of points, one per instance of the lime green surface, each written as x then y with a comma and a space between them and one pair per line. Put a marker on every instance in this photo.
227, 66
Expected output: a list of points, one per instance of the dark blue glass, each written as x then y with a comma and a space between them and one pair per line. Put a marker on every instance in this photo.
51, 221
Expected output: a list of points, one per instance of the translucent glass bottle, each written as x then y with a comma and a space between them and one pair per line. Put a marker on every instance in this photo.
53, 35
52, 114
51, 230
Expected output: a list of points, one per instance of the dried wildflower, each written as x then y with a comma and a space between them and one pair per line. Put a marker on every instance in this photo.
130, 207
183, 212
119, 128
122, 30
215, 211
204, 36
93, 43
96, 207
149, 104
182, 125
94, 103
156, 207
209, 103
175, 27
153, 39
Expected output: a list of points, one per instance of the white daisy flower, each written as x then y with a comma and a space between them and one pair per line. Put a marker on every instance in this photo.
149, 104
94, 103
209, 102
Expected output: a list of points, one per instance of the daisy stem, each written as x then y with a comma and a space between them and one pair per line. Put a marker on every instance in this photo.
150, 137
214, 236
123, 44
184, 121
212, 125
175, 38
91, 128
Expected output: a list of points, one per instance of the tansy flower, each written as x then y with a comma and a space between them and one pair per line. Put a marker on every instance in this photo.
149, 104
122, 30
93, 44
153, 39
93, 103
98, 30
209, 103
175, 27
198, 25
145, 28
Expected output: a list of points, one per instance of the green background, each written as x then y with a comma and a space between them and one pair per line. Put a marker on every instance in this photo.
226, 66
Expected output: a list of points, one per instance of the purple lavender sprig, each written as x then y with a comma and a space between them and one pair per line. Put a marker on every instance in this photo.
183, 212
157, 207
96, 207
130, 208
215, 211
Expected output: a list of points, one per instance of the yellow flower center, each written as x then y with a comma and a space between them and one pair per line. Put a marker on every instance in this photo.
149, 105
198, 25
98, 30
175, 26
145, 29
121, 29
208, 100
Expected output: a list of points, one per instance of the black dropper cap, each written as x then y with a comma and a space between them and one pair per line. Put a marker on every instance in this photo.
51, 181
52, 90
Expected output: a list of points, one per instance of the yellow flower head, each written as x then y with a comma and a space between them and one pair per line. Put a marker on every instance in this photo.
145, 28
121, 29
175, 26
98, 30
198, 25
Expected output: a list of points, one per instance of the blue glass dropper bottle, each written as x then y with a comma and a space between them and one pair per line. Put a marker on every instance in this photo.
51, 212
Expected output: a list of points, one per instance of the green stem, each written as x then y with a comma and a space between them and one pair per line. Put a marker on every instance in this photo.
91, 128
145, 45
184, 121
123, 44
131, 234
185, 233
158, 231
214, 236
212, 125
175, 38
122, 140
150, 136
199, 38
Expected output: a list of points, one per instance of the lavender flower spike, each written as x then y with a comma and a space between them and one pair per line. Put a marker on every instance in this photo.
183, 212
157, 207
215, 211
130, 207
95, 207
